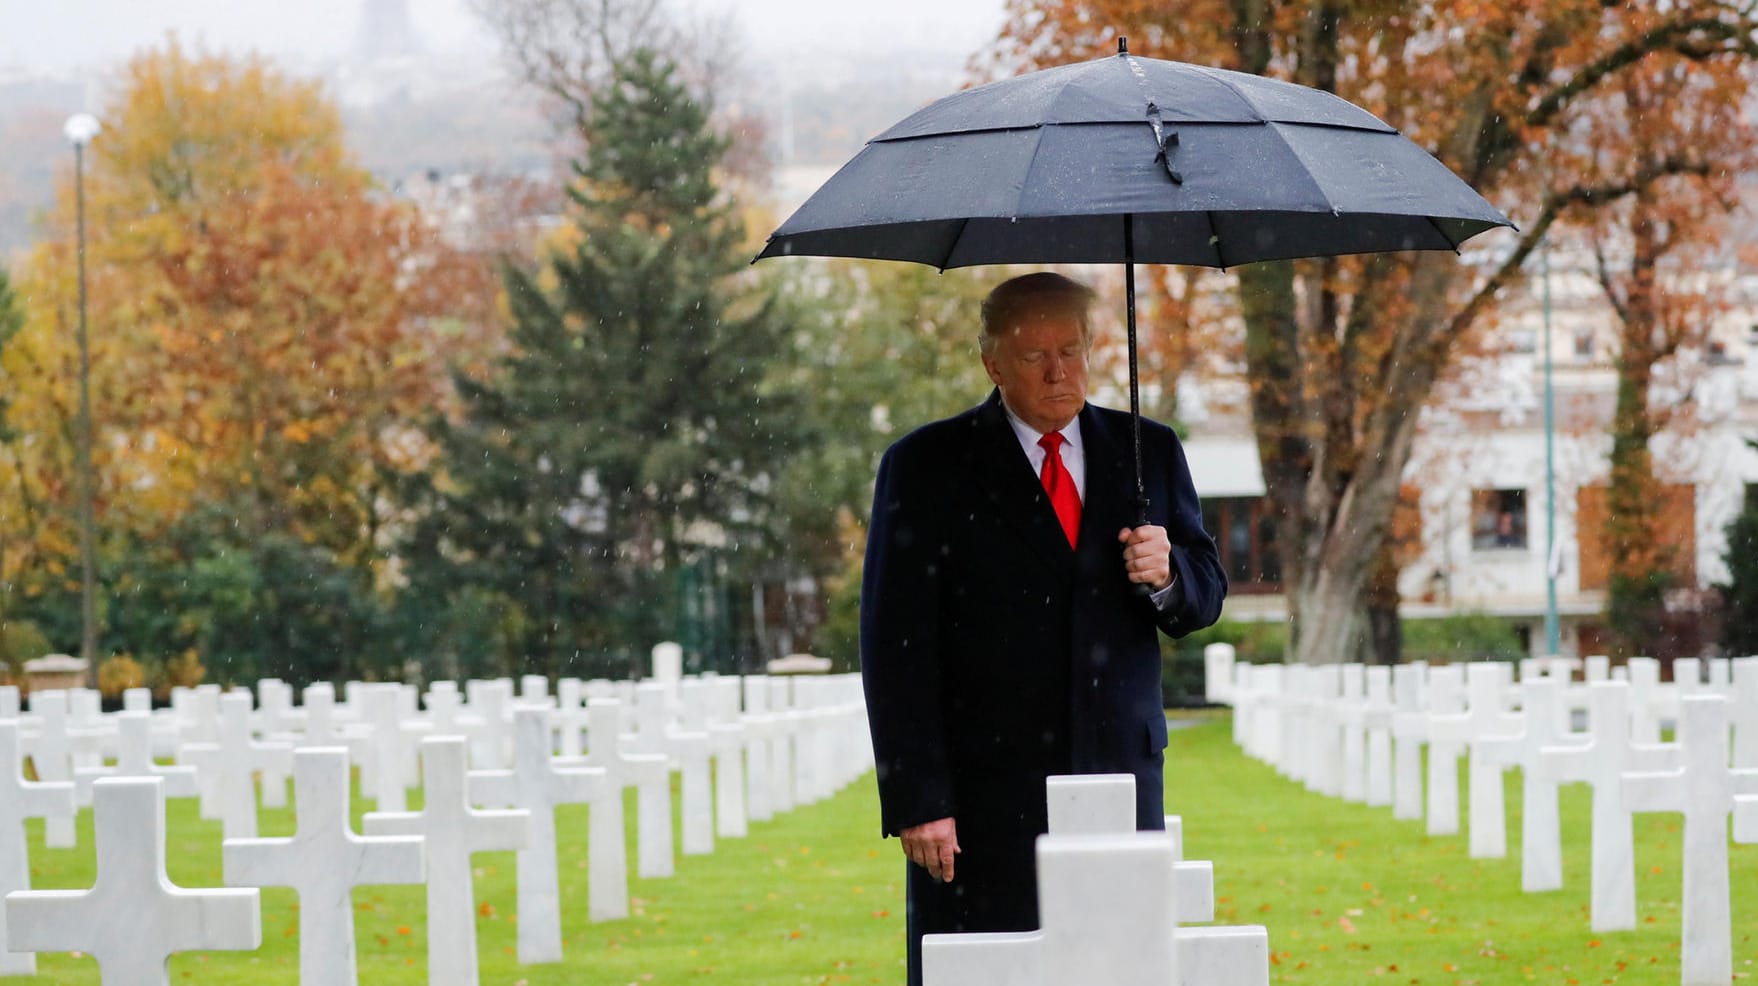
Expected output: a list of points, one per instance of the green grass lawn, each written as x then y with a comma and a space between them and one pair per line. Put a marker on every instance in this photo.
1348, 894
1351, 895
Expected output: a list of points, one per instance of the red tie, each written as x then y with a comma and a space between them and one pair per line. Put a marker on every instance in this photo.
1060, 485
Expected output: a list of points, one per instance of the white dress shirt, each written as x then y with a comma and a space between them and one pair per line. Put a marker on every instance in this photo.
1074, 459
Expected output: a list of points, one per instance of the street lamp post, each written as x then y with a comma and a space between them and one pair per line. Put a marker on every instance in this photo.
80, 129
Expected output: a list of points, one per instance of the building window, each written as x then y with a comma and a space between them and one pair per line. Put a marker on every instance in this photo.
1584, 345
1244, 529
1498, 519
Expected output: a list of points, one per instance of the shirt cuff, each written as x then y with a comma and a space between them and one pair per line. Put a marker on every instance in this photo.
1164, 596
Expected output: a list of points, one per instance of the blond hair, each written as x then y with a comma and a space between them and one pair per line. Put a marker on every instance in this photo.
1043, 293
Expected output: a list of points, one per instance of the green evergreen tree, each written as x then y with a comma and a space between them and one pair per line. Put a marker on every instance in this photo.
1739, 594
630, 440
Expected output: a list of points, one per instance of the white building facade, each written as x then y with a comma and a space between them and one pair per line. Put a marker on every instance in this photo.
1479, 473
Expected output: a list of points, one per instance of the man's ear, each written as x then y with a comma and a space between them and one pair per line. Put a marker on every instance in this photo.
989, 368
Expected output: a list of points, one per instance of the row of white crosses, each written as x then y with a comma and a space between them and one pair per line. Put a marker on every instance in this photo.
1371, 724
1114, 905
795, 742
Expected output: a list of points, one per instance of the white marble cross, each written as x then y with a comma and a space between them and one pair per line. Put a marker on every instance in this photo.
490, 713
1746, 818
1297, 704
323, 861
1218, 663
760, 727
570, 717
91, 734
607, 869
319, 728
811, 715
445, 706
1266, 717
1445, 702
21, 799
452, 830
385, 781
692, 747
277, 721
1377, 715
1242, 695
1703, 790
783, 727
534, 691
1409, 733
1351, 716
1602, 762
726, 737
1745, 712
537, 785
1108, 909
1541, 834
1104, 804
653, 853
1324, 746
51, 753
1649, 699
1485, 719
135, 759
237, 760
134, 918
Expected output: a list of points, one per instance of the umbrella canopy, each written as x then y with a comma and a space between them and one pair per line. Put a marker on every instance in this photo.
1208, 167
1124, 160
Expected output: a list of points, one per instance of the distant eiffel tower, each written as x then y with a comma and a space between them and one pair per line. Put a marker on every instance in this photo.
386, 31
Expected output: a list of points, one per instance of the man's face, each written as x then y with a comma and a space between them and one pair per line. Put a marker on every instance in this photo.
1040, 365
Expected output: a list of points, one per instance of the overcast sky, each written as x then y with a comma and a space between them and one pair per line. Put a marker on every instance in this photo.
73, 34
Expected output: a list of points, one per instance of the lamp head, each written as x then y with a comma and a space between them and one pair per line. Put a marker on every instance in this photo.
80, 128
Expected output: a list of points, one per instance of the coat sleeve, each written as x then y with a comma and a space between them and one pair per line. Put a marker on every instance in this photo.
1195, 600
900, 655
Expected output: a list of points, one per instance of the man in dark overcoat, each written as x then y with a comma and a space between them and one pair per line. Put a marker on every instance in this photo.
1010, 612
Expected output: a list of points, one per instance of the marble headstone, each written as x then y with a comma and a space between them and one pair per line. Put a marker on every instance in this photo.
323, 861
1703, 790
537, 785
134, 918
453, 831
21, 799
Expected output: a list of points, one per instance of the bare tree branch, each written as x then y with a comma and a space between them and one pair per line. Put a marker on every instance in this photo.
1697, 38
1579, 196
1608, 283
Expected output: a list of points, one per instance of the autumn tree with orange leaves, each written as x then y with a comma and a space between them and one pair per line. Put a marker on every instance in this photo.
1343, 354
269, 330
1655, 253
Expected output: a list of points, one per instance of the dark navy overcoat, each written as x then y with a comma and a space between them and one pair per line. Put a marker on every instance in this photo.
995, 656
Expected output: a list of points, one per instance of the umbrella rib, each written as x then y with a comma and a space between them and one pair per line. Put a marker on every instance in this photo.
1444, 236
952, 245
1215, 238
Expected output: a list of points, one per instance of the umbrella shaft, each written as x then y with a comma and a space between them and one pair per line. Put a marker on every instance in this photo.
1141, 495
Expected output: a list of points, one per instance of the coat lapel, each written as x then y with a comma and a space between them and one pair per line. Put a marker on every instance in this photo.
1016, 495
1110, 496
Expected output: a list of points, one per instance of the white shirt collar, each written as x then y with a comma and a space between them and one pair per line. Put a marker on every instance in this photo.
1073, 455
1028, 436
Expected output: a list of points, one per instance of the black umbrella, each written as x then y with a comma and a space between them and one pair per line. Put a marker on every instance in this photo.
1125, 159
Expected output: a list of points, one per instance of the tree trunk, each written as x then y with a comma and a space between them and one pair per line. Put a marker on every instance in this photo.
1332, 620
1385, 638
1641, 561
